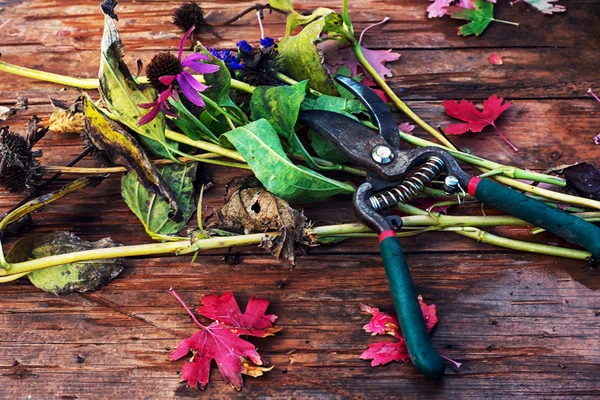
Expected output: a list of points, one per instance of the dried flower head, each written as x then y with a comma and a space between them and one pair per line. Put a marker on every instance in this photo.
19, 167
162, 64
189, 15
261, 66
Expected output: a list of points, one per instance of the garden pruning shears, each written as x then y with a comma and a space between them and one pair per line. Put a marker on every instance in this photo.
391, 180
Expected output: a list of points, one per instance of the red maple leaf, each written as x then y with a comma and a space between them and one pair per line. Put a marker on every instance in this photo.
387, 324
225, 309
234, 356
476, 120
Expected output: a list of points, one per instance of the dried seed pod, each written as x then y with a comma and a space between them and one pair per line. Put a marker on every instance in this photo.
19, 168
162, 64
188, 15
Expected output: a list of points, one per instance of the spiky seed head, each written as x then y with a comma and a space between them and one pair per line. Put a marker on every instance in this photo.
162, 64
188, 15
19, 169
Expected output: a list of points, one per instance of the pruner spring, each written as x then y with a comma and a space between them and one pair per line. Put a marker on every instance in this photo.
410, 187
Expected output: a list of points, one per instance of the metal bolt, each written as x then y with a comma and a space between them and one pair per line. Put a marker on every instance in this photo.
450, 184
382, 154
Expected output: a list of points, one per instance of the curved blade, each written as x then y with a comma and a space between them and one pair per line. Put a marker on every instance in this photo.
379, 110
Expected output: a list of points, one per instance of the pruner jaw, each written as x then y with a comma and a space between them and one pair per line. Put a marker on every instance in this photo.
377, 107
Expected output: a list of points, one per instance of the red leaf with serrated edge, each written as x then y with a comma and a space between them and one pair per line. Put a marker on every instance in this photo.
476, 120
387, 324
225, 309
234, 356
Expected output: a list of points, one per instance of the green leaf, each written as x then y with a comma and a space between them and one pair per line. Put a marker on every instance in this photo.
219, 85
480, 17
153, 211
190, 125
280, 106
67, 278
122, 94
336, 104
348, 107
325, 149
260, 146
122, 149
295, 19
303, 60
283, 5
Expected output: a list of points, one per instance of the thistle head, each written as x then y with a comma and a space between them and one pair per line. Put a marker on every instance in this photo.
19, 168
189, 15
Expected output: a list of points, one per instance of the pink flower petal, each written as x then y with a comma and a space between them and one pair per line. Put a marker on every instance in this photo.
167, 79
196, 57
188, 90
200, 67
495, 59
149, 116
182, 42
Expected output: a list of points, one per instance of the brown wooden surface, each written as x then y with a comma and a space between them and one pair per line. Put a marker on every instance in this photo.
523, 325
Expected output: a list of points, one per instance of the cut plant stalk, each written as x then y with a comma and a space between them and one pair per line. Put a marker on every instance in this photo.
185, 246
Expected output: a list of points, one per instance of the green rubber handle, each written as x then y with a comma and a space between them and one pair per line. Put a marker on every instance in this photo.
422, 354
554, 220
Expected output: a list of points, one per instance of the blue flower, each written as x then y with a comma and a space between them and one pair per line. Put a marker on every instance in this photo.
267, 42
245, 46
227, 57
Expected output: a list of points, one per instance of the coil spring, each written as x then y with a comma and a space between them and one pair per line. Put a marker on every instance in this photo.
410, 187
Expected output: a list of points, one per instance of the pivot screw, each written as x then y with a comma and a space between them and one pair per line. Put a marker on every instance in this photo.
450, 184
382, 154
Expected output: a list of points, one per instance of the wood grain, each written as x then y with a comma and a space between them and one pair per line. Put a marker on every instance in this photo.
523, 325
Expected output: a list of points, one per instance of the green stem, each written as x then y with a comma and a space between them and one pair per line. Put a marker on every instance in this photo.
486, 237
206, 146
511, 172
290, 81
506, 22
82, 83
395, 99
223, 111
185, 246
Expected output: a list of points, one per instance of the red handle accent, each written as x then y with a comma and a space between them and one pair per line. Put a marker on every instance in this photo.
472, 187
386, 234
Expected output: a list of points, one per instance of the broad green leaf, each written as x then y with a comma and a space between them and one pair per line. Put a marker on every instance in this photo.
280, 106
153, 211
303, 60
325, 149
67, 278
122, 149
336, 104
283, 5
122, 94
340, 105
260, 146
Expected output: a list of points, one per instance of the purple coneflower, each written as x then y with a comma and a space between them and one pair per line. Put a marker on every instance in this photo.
165, 69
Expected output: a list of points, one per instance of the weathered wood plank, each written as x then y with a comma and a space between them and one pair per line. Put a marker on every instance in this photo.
523, 325
504, 323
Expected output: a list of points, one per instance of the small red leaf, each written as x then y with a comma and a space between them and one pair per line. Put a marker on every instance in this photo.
406, 127
476, 120
225, 309
387, 324
495, 59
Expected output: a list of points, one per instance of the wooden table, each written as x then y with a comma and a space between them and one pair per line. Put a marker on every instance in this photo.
523, 325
